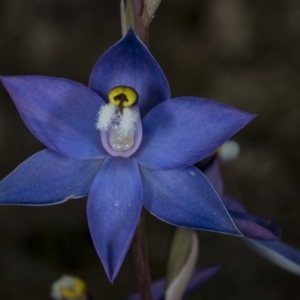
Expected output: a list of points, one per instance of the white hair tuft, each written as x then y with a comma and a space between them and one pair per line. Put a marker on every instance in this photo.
127, 121
105, 116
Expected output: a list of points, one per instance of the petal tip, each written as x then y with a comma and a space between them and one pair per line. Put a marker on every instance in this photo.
234, 232
6, 79
252, 116
111, 278
112, 271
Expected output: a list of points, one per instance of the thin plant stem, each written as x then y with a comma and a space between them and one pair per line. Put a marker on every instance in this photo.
139, 243
140, 256
140, 27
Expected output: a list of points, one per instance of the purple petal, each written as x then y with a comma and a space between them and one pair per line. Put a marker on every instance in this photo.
129, 63
60, 113
282, 255
199, 277
213, 175
47, 178
158, 290
185, 198
182, 131
233, 205
113, 210
253, 227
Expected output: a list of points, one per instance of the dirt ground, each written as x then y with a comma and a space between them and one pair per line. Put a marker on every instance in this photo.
242, 53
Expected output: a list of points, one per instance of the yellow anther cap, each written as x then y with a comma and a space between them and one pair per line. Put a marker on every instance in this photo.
122, 96
69, 288
77, 290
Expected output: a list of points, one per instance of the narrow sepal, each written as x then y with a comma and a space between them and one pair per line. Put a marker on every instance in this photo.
281, 254
253, 227
48, 178
185, 198
233, 205
213, 175
250, 225
60, 113
129, 63
113, 211
182, 131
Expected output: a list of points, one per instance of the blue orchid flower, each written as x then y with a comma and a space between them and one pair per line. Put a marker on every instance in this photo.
123, 142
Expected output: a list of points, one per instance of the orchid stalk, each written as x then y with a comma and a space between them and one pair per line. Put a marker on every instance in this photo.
132, 16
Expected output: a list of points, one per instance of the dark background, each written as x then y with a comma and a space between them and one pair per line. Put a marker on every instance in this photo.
240, 52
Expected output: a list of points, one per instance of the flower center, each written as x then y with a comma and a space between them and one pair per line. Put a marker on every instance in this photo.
118, 121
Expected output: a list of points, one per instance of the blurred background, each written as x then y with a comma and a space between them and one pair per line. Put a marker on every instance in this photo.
239, 52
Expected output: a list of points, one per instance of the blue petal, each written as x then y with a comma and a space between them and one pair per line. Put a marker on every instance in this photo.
254, 227
251, 225
282, 255
201, 275
47, 178
233, 205
60, 113
182, 131
129, 63
213, 175
113, 210
157, 288
185, 198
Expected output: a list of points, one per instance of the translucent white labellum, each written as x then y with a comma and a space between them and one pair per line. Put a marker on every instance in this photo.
121, 126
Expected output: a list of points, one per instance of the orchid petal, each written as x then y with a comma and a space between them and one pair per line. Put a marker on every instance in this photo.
233, 205
282, 255
60, 113
253, 227
157, 288
185, 198
201, 275
129, 63
213, 175
182, 131
113, 210
48, 178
